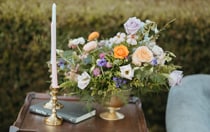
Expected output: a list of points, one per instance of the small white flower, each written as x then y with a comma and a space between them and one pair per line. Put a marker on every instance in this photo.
81, 40
161, 59
77, 41
83, 80
151, 44
157, 50
175, 78
127, 71
119, 38
132, 39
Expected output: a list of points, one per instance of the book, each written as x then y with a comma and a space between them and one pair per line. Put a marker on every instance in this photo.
73, 111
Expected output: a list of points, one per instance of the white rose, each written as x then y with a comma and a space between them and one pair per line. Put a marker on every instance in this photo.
83, 80
132, 25
175, 78
157, 50
127, 72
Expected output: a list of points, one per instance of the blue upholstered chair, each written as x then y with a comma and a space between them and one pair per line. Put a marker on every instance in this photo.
188, 106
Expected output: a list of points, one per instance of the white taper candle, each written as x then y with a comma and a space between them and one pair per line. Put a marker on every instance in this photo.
54, 82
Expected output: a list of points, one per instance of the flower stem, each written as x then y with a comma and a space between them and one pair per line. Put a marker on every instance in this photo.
79, 50
102, 70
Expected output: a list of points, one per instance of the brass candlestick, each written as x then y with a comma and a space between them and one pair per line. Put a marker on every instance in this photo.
49, 104
53, 119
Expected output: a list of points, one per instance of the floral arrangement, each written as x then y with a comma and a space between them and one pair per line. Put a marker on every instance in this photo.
133, 60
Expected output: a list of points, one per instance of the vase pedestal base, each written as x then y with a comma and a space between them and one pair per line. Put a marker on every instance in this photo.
112, 114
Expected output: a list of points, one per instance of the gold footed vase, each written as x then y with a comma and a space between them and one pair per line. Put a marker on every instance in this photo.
113, 106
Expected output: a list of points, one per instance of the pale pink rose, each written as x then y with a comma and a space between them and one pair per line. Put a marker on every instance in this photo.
142, 54
90, 46
132, 25
175, 78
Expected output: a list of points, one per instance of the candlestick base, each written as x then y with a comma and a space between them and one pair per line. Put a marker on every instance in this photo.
53, 119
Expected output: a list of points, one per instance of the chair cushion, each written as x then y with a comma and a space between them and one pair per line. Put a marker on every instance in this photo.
188, 105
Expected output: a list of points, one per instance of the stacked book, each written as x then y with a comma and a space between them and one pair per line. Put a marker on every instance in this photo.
73, 111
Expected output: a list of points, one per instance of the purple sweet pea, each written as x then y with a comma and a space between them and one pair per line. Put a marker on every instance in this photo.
101, 62
175, 78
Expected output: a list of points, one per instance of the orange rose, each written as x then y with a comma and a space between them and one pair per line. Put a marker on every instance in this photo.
121, 52
142, 54
93, 36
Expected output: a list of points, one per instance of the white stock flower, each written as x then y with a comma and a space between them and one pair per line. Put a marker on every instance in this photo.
76, 41
151, 44
157, 50
83, 80
81, 40
127, 71
161, 59
175, 78
132, 39
119, 38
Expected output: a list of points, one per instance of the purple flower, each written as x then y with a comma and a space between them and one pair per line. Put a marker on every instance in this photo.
132, 25
119, 81
96, 72
154, 62
101, 62
61, 63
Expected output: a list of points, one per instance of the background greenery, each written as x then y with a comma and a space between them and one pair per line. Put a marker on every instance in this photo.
25, 42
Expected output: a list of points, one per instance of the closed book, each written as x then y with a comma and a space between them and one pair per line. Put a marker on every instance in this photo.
73, 112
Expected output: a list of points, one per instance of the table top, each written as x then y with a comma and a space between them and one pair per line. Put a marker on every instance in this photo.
26, 121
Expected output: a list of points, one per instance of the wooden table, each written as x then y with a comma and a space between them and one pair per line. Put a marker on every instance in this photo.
134, 120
